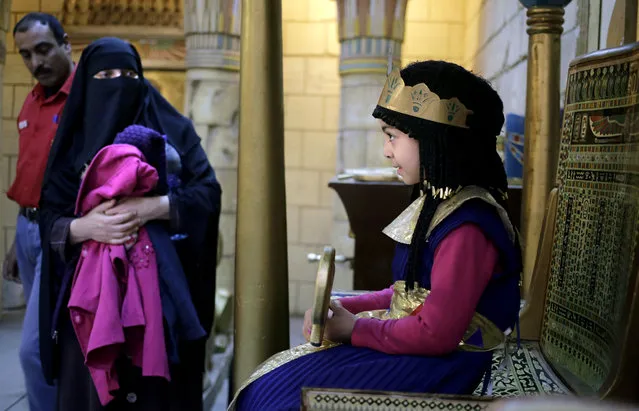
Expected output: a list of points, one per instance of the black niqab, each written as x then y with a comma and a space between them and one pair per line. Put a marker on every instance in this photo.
95, 111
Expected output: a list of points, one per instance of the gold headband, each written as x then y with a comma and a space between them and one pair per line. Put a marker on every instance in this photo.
418, 101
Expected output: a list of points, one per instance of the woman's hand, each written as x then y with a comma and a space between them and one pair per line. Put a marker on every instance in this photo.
146, 208
103, 228
339, 326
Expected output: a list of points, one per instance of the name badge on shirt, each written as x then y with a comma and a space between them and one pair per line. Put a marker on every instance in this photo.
22, 125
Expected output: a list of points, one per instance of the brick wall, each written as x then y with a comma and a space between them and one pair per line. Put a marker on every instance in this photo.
311, 114
497, 46
434, 30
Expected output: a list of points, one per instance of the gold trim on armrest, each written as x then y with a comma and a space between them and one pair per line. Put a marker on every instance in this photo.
316, 399
532, 314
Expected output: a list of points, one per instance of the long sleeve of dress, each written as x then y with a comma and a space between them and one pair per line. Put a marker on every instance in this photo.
463, 264
376, 300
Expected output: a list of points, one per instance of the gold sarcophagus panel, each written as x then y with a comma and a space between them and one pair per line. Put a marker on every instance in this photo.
593, 267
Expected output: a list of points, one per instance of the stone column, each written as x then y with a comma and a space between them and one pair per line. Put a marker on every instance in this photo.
212, 102
212, 32
366, 29
543, 122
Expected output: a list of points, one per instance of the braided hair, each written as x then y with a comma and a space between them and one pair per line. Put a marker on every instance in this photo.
449, 156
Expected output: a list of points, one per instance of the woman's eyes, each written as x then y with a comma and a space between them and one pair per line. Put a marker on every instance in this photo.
115, 73
131, 74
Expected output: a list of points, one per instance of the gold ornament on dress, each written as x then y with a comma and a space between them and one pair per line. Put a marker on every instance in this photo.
405, 302
419, 101
401, 229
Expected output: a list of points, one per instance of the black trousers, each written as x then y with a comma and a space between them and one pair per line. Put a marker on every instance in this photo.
76, 391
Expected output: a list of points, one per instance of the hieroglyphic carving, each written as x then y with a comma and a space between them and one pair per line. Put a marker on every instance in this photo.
164, 13
595, 242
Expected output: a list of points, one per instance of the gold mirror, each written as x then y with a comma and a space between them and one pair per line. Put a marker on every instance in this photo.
323, 288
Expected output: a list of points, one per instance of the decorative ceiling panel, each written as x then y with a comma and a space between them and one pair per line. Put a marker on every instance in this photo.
152, 13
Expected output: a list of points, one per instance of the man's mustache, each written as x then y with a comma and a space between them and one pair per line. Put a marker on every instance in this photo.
41, 70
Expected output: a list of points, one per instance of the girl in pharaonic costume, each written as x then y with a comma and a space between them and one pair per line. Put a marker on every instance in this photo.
457, 262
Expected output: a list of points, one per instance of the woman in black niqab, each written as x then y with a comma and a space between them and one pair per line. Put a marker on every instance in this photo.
108, 94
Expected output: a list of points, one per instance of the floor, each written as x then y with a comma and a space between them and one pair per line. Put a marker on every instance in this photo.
12, 392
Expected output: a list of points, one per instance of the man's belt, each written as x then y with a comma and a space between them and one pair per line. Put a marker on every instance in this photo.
32, 214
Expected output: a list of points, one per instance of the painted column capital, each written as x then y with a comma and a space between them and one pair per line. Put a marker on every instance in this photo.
545, 16
366, 29
544, 3
212, 33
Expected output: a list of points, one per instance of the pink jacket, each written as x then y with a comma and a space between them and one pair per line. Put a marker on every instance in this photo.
115, 302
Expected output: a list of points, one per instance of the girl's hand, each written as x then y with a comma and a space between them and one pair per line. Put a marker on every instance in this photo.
308, 323
340, 324
103, 228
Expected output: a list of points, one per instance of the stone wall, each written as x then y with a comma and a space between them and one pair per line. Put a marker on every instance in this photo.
497, 45
311, 115
435, 30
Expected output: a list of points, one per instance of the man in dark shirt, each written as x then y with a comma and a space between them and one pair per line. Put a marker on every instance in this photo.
45, 50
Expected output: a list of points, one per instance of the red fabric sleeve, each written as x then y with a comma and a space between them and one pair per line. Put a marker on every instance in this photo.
376, 300
463, 264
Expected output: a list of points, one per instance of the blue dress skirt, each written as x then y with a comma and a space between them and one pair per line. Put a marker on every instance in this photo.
349, 367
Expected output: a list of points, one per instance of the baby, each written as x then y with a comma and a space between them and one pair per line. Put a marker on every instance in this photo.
159, 154
173, 167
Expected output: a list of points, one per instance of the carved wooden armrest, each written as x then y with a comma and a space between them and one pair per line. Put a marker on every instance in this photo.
531, 315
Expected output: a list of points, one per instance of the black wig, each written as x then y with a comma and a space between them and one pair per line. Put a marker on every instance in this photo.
451, 157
